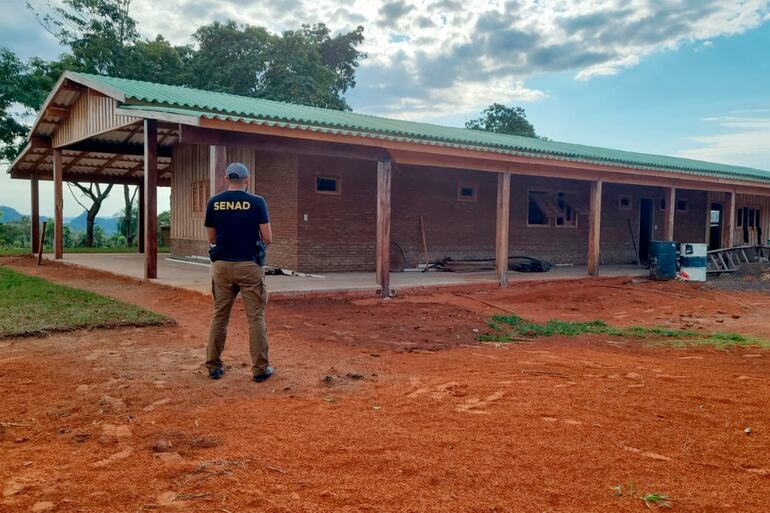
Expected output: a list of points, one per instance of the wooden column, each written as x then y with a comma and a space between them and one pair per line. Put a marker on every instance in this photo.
383, 226
140, 220
217, 167
503, 219
150, 199
707, 238
668, 220
58, 206
728, 219
33, 182
594, 227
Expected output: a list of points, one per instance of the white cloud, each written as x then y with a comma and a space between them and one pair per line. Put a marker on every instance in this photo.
743, 140
438, 57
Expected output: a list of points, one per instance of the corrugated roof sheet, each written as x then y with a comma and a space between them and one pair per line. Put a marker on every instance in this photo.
200, 103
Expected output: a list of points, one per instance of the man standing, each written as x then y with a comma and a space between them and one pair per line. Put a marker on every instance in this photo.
238, 229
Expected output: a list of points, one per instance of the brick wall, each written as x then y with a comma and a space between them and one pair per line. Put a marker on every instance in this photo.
336, 232
339, 232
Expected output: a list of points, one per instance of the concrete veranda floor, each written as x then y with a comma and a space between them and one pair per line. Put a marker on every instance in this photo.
196, 276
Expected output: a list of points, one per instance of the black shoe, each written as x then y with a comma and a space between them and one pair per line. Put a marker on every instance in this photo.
216, 372
259, 378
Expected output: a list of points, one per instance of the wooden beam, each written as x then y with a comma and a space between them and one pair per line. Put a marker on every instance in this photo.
217, 167
670, 213
57, 112
140, 220
119, 148
503, 219
35, 217
195, 135
40, 142
41, 160
728, 219
594, 227
383, 226
499, 159
58, 200
150, 199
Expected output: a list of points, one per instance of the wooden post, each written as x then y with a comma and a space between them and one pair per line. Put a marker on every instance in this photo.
58, 207
728, 219
217, 167
383, 226
668, 220
41, 243
33, 182
140, 220
503, 219
707, 237
594, 227
151, 199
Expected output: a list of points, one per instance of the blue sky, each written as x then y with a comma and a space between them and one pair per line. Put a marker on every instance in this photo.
680, 77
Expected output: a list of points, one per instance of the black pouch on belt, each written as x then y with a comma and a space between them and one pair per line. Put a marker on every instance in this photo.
261, 254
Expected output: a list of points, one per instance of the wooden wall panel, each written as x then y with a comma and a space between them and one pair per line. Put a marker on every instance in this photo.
93, 113
191, 164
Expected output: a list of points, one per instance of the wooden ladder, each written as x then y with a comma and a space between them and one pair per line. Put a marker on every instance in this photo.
728, 260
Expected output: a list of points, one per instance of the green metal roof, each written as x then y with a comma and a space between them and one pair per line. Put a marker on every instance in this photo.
213, 105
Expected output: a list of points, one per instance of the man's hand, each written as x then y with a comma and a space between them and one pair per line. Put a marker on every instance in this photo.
266, 233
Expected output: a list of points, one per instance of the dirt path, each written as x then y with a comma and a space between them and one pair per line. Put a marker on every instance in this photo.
389, 407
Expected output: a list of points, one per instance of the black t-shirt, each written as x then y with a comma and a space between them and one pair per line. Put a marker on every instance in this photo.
236, 216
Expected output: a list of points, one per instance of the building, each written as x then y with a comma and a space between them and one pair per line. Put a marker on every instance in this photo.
343, 187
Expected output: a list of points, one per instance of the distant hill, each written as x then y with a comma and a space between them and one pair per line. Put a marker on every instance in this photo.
10, 214
108, 224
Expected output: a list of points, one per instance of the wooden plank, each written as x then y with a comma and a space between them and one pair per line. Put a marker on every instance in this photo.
594, 228
383, 226
140, 219
35, 216
150, 199
217, 167
58, 201
424, 243
503, 220
728, 224
668, 220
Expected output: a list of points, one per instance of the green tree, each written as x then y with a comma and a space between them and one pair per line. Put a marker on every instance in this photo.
11, 93
503, 120
306, 66
96, 195
100, 34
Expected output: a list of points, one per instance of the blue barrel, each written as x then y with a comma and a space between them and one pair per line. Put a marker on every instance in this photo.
662, 260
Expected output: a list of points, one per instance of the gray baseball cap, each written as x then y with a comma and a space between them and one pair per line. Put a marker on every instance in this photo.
237, 171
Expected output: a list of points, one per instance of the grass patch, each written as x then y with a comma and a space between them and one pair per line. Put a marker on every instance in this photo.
48, 251
512, 328
657, 500
33, 306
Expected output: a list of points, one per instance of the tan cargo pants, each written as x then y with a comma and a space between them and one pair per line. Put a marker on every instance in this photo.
227, 279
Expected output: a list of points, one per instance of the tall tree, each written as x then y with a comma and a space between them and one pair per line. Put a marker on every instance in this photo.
306, 66
503, 120
127, 224
100, 34
11, 93
97, 196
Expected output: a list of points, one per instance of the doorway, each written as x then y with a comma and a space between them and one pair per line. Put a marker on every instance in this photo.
715, 226
646, 225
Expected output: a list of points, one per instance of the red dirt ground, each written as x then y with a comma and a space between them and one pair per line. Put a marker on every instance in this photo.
386, 407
